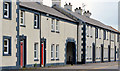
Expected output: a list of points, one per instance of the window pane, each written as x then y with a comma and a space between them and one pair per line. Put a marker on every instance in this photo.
5, 6
21, 14
5, 42
5, 49
5, 12
22, 20
34, 54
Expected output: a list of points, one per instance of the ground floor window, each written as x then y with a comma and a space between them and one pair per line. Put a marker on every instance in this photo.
6, 46
36, 51
52, 51
57, 51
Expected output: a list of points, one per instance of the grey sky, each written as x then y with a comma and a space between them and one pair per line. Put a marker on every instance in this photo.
105, 11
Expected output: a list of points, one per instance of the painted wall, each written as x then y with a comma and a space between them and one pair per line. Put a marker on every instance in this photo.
33, 36
90, 39
99, 42
9, 29
66, 30
106, 44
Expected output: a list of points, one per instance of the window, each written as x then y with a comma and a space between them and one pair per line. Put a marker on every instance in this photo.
104, 34
6, 46
112, 36
36, 21
57, 25
117, 37
87, 30
57, 51
22, 18
53, 25
96, 32
52, 51
7, 10
99, 33
91, 31
36, 52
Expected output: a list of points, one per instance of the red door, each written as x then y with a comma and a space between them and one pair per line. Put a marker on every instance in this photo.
21, 53
42, 54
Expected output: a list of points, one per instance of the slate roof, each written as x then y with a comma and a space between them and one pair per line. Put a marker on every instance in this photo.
84, 18
44, 9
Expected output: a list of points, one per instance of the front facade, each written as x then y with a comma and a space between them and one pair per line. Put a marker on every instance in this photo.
39, 36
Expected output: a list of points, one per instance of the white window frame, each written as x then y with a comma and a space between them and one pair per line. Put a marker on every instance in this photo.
91, 31
52, 51
36, 50
36, 20
57, 25
87, 31
7, 46
53, 25
99, 33
6, 16
23, 17
57, 51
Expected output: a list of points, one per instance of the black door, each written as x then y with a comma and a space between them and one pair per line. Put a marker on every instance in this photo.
102, 52
71, 53
109, 53
94, 53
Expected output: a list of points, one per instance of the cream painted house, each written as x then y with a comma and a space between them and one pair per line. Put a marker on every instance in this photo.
35, 35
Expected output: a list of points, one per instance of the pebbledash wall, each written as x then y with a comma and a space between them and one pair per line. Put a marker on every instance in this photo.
69, 31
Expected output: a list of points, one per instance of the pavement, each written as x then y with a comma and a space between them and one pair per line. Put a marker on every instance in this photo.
106, 66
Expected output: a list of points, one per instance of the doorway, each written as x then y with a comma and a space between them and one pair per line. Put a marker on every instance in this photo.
22, 52
71, 53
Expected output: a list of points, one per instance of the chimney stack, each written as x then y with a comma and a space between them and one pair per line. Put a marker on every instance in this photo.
68, 6
78, 10
56, 2
87, 14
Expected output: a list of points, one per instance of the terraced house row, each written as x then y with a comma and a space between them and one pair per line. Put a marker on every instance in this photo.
33, 34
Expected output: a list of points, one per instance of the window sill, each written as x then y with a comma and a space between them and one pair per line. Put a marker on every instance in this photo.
52, 59
36, 59
52, 30
7, 18
22, 25
6, 54
57, 32
36, 28
57, 59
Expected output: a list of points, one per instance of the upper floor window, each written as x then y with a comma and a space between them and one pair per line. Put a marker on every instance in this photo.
91, 31
99, 33
36, 51
22, 18
7, 10
36, 21
96, 33
117, 37
53, 25
57, 51
6, 46
87, 30
105, 33
57, 25
112, 36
